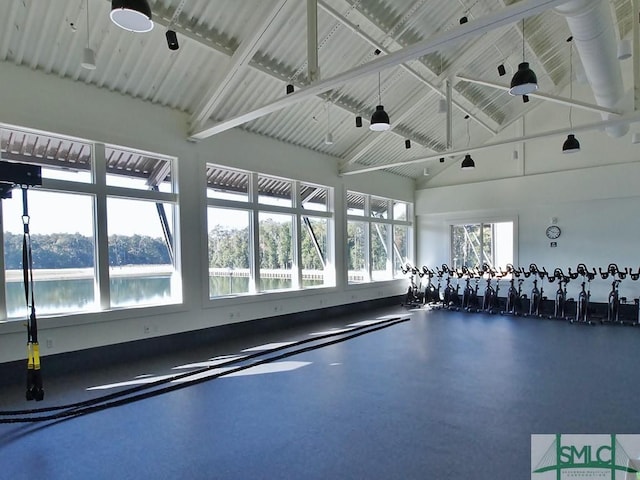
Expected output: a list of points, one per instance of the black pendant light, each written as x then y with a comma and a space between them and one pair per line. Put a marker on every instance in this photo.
379, 119
524, 81
468, 163
132, 15
571, 144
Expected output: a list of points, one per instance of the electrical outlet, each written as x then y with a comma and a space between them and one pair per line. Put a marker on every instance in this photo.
49, 343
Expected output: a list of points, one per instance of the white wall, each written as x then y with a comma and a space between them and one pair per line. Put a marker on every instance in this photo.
597, 209
594, 193
46, 102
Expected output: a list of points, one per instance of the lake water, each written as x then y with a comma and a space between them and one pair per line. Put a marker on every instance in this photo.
77, 295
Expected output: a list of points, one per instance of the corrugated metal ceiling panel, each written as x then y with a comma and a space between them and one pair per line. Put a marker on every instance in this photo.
51, 36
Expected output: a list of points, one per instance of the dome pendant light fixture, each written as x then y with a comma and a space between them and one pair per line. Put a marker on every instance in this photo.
468, 163
524, 81
571, 144
379, 119
88, 56
131, 15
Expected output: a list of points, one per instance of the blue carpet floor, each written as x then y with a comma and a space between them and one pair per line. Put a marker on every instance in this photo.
445, 395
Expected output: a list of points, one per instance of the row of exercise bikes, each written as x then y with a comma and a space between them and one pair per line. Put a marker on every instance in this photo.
617, 310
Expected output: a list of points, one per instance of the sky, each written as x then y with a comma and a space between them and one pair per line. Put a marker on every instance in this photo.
73, 214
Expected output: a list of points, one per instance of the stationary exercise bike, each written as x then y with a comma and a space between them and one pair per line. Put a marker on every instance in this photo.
414, 296
451, 296
582, 306
431, 293
613, 304
490, 301
514, 296
470, 294
534, 304
560, 301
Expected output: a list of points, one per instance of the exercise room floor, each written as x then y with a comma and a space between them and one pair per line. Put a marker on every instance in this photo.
443, 395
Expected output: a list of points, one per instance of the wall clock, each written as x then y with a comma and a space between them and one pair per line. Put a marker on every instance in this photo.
553, 232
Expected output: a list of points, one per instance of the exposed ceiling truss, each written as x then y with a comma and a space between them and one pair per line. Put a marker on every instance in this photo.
236, 58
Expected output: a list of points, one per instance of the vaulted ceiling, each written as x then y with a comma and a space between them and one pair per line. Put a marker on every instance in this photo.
237, 57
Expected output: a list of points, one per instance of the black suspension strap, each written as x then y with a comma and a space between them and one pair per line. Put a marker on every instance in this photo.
35, 390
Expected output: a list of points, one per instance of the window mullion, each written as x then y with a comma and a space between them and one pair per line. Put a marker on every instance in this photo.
296, 240
254, 266
100, 228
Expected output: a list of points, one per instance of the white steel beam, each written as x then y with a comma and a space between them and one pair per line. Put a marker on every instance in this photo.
545, 96
357, 31
313, 71
439, 41
370, 143
240, 59
632, 117
636, 53
449, 91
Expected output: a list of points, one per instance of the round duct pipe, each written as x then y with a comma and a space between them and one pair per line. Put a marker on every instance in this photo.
595, 39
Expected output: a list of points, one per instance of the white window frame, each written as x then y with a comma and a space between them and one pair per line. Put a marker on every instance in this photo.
369, 220
254, 207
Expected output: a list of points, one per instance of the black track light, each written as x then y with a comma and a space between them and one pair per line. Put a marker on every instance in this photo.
358, 121
463, 20
441, 159
571, 144
132, 15
172, 40
525, 98
501, 70
468, 163
289, 89
407, 144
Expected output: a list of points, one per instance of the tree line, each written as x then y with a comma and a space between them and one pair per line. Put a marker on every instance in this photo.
72, 250
228, 248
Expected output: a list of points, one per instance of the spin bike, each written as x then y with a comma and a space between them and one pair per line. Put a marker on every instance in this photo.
582, 306
431, 293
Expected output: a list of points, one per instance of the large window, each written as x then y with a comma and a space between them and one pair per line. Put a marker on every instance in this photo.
275, 238
100, 209
63, 250
140, 259
229, 251
267, 233
474, 244
379, 232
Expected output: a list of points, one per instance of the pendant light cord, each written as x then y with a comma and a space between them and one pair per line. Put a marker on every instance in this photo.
468, 134
523, 39
328, 122
379, 95
570, 82
88, 24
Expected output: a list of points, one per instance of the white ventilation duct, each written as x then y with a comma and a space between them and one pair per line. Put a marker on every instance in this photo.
594, 35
